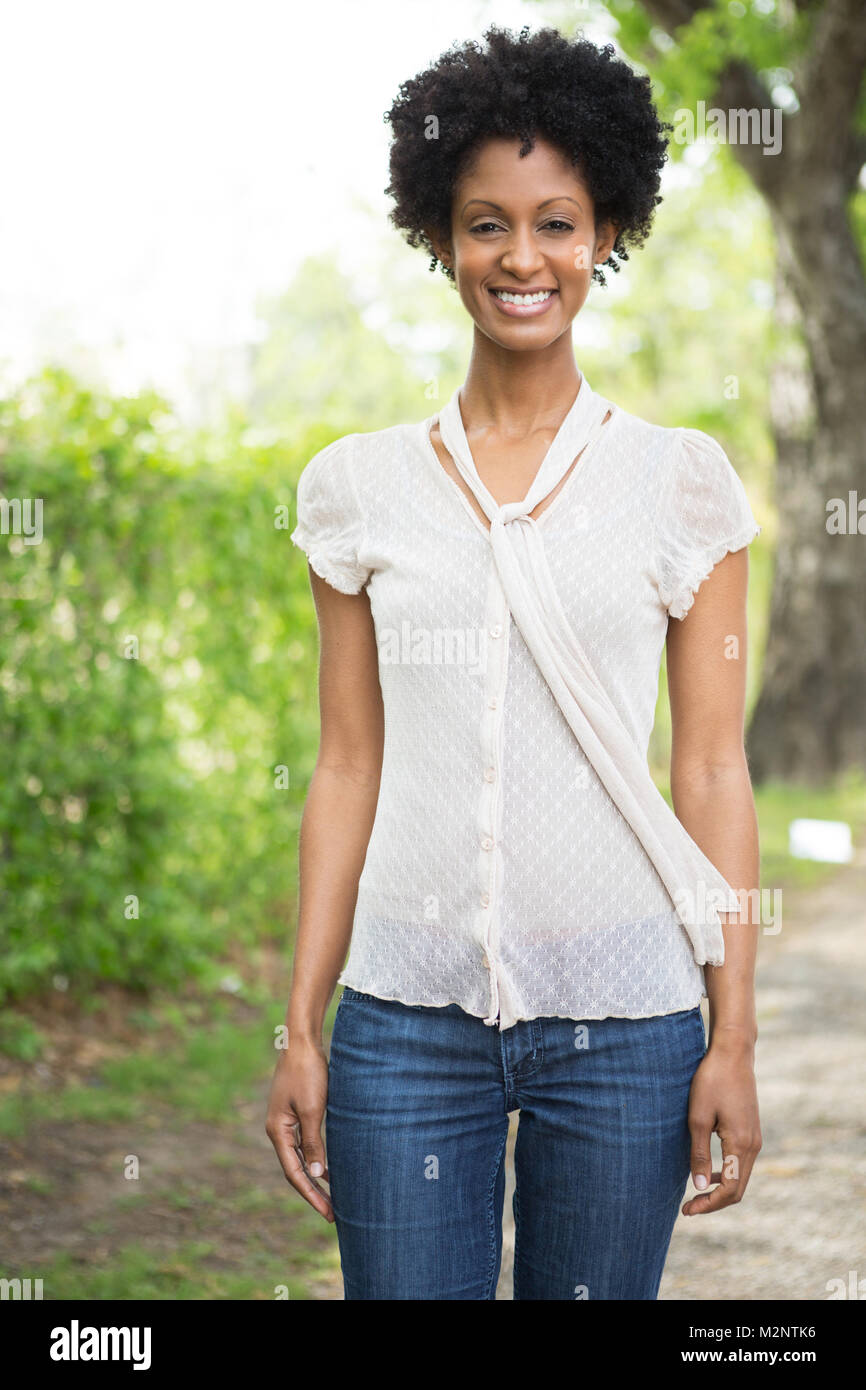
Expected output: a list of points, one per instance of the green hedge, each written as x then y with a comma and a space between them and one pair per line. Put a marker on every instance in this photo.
148, 776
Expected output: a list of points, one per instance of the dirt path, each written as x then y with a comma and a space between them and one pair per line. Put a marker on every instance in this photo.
803, 1220
802, 1223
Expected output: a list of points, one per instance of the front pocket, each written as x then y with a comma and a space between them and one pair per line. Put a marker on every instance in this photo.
351, 995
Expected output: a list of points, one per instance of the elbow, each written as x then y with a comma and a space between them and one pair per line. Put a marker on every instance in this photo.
356, 767
710, 775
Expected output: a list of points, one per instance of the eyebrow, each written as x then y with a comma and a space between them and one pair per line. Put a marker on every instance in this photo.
562, 198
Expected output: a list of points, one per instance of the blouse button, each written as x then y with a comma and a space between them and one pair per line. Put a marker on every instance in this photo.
491, 704
485, 899
489, 774
487, 843
496, 631
485, 962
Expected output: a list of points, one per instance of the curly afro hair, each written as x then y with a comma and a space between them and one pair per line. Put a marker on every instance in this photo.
579, 97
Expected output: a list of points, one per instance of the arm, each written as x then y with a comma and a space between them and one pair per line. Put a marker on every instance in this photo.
712, 796
335, 831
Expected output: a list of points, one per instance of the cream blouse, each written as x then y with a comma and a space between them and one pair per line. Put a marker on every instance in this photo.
522, 863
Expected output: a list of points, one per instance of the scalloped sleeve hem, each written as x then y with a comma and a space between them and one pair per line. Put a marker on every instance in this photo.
330, 526
685, 594
703, 514
339, 573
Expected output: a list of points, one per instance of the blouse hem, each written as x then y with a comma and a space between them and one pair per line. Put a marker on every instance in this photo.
526, 1018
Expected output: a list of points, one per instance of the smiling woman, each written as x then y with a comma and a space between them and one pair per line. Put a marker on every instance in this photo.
528, 925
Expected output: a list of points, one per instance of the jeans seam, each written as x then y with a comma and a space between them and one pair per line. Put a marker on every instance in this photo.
491, 1216
516, 1208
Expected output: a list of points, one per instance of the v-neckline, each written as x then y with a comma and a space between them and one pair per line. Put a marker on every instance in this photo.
559, 488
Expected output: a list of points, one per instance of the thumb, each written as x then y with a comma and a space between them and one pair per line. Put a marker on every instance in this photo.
312, 1147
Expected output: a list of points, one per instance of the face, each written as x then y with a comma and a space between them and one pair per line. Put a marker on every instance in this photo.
523, 243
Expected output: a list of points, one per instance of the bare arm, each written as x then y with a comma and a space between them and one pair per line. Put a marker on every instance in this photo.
712, 796
335, 831
341, 802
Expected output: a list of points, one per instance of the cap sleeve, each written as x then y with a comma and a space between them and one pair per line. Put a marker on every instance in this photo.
703, 513
330, 524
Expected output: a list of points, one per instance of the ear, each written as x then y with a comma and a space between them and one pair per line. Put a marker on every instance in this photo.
605, 238
442, 246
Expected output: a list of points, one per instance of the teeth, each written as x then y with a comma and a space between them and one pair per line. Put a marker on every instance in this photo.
523, 298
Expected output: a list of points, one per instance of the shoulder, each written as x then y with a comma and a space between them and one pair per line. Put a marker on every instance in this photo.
700, 483
356, 460
377, 450
669, 444
678, 458
646, 449
699, 466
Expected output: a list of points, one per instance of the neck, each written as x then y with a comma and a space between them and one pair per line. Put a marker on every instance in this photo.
516, 393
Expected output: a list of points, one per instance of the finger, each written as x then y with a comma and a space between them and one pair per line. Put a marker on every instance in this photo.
722, 1196
738, 1157
700, 1162
715, 1176
312, 1148
740, 1165
292, 1165
308, 1188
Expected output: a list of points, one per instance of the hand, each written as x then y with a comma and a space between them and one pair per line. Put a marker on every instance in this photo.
724, 1099
296, 1111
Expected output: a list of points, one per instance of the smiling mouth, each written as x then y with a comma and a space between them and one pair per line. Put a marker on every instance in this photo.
519, 298
516, 305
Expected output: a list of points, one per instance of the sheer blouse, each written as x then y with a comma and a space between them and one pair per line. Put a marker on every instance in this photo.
501, 873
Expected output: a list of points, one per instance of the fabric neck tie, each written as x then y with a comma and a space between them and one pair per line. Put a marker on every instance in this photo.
697, 889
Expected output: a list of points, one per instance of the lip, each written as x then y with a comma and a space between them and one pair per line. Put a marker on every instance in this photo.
523, 311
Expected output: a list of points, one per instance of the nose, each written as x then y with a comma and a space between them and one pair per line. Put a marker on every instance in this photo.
522, 257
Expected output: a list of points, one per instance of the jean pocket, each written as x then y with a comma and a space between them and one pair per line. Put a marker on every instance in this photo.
698, 1020
352, 995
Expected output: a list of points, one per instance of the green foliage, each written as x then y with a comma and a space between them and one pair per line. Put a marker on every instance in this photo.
156, 666
771, 37
19, 1038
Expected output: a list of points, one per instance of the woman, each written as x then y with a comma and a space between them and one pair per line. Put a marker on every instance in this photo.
531, 927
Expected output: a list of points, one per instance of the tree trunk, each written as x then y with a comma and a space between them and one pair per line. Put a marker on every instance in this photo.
810, 718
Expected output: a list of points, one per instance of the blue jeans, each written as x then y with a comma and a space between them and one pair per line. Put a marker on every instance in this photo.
416, 1127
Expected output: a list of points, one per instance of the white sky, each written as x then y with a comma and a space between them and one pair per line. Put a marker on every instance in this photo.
166, 162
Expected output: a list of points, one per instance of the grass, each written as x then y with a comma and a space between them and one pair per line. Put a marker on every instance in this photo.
778, 804
190, 1271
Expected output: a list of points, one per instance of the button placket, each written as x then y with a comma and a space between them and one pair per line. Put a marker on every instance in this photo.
497, 619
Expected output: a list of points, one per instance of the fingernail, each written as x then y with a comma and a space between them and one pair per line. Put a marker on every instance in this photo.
700, 1181
316, 1170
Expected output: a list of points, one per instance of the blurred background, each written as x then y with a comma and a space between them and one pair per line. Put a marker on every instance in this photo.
199, 289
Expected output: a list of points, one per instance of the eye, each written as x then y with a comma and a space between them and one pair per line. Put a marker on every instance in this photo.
557, 223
